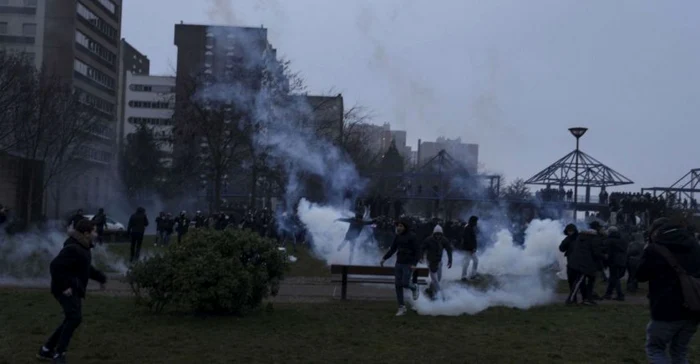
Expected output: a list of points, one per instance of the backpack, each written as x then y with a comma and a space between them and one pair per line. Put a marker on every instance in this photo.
690, 286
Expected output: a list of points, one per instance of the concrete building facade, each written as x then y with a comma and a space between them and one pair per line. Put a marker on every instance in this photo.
150, 100
78, 41
133, 62
468, 154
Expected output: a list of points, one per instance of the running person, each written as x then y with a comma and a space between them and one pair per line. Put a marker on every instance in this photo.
408, 253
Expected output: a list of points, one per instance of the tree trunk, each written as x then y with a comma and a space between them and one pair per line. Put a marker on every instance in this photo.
216, 203
254, 187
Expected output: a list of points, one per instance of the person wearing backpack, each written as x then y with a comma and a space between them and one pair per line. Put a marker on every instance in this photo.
671, 264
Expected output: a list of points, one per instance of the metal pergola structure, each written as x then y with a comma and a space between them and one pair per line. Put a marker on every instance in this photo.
446, 172
684, 187
580, 166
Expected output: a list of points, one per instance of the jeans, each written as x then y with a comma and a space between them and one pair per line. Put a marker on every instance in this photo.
435, 278
402, 280
572, 277
675, 335
616, 274
164, 238
582, 284
73, 316
136, 241
470, 257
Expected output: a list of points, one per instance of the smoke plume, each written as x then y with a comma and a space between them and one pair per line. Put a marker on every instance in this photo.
519, 277
25, 257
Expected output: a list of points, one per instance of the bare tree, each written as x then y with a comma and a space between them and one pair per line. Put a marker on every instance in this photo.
14, 68
54, 126
516, 191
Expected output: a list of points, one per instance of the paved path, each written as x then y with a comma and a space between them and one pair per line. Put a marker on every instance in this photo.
308, 290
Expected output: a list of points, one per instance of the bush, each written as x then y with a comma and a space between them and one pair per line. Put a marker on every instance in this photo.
221, 272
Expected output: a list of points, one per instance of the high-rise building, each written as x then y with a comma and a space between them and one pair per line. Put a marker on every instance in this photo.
150, 100
78, 41
133, 62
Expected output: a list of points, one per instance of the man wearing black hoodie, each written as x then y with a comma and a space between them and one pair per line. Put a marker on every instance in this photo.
408, 253
672, 324
585, 260
70, 272
433, 248
137, 227
617, 263
566, 247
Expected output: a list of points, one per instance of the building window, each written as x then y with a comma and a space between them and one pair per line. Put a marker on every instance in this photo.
151, 104
208, 58
97, 22
29, 29
94, 74
95, 48
96, 102
210, 41
162, 89
151, 121
3, 27
108, 5
30, 3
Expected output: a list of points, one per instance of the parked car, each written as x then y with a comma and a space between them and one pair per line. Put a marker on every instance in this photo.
113, 226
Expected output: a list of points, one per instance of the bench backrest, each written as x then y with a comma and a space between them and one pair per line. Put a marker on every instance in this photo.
373, 270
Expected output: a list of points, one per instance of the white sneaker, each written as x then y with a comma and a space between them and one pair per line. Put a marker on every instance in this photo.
401, 311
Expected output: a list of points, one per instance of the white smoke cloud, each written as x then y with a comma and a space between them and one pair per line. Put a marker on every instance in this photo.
25, 257
519, 273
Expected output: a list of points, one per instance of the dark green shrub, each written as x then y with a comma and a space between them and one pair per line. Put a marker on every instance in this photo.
222, 272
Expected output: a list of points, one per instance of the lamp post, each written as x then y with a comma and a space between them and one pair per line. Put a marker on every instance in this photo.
577, 132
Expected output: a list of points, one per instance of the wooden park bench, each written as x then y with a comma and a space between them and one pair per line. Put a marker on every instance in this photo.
372, 274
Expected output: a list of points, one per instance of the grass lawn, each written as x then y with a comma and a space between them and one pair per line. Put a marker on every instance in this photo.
116, 331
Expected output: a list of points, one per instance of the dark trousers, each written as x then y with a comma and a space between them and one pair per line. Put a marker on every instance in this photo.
571, 277
582, 284
100, 234
180, 235
402, 280
136, 241
73, 316
632, 284
616, 274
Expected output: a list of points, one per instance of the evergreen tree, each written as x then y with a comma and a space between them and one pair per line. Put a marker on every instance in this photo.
141, 166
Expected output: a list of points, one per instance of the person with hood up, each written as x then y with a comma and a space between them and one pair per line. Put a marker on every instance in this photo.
673, 324
100, 221
357, 224
408, 253
617, 263
566, 247
585, 259
136, 228
432, 249
70, 271
199, 221
469, 245
183, 225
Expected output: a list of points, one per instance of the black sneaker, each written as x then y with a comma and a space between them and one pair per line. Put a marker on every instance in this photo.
59, 359
45, 354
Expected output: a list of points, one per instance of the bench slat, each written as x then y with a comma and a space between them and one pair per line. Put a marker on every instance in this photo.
374, 280
373, 270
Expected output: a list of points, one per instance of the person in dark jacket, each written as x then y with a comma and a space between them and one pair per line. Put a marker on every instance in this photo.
357, 224
672, 324
566, 247
199, 221
168, 228
183, 225
616, 262
433, 248
159, 228
136, 228
585, 260
634, 257
75, 218
70, 271
408, 253
100, 221
469, 245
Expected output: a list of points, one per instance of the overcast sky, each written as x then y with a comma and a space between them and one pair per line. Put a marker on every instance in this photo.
511, 76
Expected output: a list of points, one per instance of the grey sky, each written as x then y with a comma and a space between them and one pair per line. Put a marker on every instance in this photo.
511, 76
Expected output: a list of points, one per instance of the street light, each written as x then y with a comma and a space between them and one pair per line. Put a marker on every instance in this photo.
577, 132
